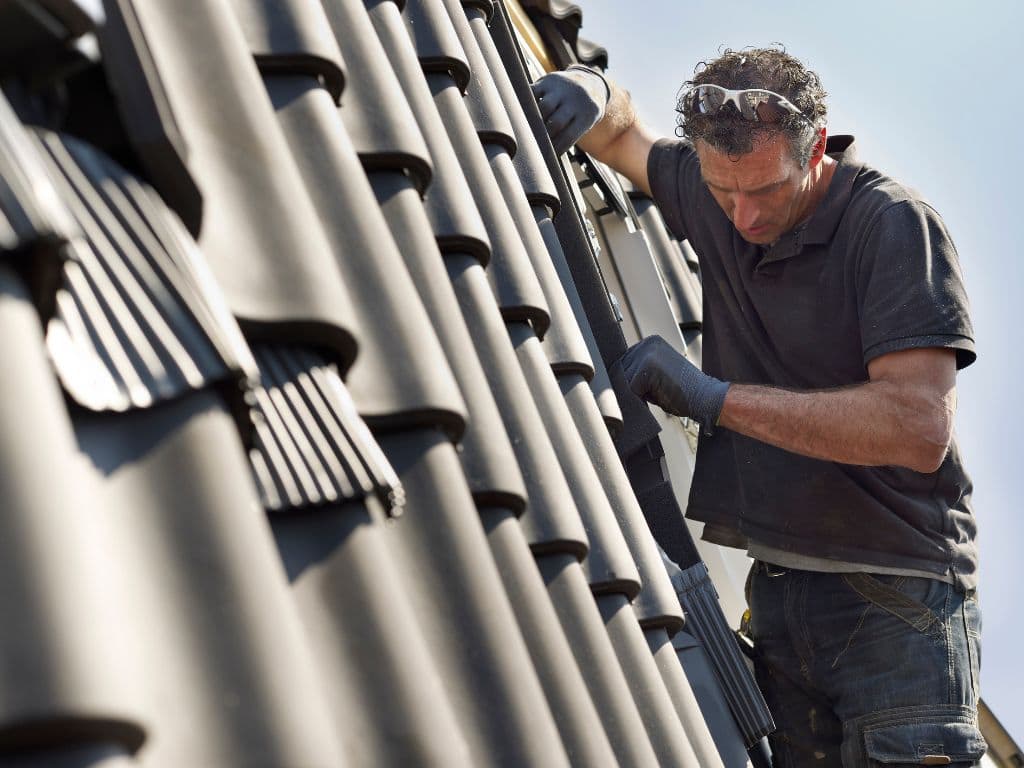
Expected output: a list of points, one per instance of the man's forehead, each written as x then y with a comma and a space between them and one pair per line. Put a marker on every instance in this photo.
769, 160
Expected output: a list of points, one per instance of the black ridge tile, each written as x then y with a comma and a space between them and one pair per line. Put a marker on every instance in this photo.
228, 680
608, 565
400, 377
61, 598
449, 202
575, 713
460, 603
311, 446
591, 54
34, 222
482, 98
375, 111
558, 23
558, 9
536, 179
139, 319
652, 698
292, 36
512, 278
386, 695
656, 605
606, 681
257, 226
436, 43
488, 461
684, 700
551, 521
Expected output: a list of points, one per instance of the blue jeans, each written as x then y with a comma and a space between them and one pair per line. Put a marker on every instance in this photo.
866, 670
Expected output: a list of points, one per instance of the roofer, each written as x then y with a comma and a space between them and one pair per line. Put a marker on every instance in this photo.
835, 320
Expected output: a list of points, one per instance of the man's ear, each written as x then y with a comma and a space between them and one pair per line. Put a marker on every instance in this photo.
818, 151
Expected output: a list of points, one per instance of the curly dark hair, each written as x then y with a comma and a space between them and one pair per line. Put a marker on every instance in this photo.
769, 68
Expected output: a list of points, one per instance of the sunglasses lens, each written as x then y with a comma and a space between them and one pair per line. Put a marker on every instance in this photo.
708, 99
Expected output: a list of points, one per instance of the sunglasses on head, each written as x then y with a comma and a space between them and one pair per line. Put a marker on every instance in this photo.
755, 104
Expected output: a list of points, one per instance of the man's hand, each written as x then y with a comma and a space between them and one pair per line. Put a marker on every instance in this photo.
572, 102
660, 375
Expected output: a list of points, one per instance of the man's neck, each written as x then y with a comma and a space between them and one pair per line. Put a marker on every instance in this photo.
818, 181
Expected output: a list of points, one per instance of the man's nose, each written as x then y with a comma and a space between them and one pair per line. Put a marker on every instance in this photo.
744, 212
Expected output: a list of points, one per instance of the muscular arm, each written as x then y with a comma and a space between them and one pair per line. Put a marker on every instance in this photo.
902, 416
620, 140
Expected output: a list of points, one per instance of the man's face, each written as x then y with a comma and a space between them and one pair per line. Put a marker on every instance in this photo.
764, 192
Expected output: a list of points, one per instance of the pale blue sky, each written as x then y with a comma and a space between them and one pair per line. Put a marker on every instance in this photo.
932, 93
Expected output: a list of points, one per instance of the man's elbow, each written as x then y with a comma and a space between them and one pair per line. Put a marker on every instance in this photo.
928, 448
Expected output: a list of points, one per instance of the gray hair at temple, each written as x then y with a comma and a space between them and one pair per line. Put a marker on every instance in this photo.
769, 68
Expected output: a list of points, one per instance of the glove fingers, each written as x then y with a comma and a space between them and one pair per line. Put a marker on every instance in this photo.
570, 134
557, 123
547, 101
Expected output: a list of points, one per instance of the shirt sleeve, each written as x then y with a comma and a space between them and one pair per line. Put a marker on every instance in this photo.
669, 165
910, 287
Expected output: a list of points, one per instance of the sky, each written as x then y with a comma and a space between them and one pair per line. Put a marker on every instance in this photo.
933, 93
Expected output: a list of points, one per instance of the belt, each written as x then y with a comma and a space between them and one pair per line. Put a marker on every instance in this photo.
769, 569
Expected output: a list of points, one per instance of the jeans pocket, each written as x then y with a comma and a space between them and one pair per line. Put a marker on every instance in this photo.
907, 604
927, 735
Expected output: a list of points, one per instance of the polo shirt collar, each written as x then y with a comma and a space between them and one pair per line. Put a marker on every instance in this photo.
819, 229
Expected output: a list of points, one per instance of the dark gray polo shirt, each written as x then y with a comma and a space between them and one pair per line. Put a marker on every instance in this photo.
873, 271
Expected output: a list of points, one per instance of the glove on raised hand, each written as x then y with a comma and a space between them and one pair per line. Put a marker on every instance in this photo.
572, 102
660, 375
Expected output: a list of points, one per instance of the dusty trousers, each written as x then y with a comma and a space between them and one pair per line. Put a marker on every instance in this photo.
866, 670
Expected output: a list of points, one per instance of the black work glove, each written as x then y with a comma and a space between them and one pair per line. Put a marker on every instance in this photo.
572, 102
660, 375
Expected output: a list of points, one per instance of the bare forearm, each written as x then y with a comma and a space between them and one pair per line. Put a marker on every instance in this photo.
619, 118
874, 423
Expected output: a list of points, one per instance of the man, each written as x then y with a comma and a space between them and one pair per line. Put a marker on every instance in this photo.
835, 321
